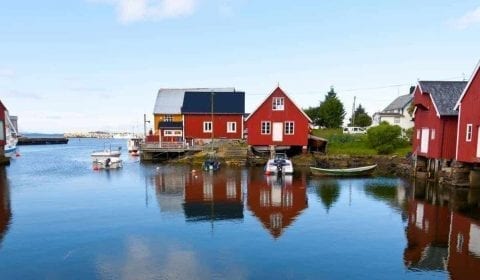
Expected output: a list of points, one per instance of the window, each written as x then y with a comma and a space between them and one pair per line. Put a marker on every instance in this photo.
265, 128
289, 128
2, 135
207, 126
172, 133
469, 132
396, 120
278, 104
418, 134
433, 134
231, 127
168, 118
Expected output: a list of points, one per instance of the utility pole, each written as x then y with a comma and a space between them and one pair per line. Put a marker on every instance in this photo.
353, 111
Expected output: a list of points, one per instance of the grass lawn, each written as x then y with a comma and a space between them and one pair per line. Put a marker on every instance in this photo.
351, 144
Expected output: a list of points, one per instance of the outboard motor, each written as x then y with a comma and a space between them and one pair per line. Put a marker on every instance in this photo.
107, 162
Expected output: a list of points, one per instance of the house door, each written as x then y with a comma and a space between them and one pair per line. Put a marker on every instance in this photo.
478, 142
425, 138
277, 134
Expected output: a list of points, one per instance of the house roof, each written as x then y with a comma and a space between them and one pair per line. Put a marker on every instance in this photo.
477, 70
284, 93
170, 100
444, 95
399, 102
228, 102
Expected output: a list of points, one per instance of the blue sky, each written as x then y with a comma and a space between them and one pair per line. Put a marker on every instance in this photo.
84, 65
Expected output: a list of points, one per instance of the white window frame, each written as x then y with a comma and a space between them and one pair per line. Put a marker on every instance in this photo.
278, 104
172, 133
432, 134
468, 136
168, 118
266, 131
418, 134
231, 127
287, 128
2, 131
207, 129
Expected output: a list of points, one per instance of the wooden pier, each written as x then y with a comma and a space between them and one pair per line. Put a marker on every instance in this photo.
166, 150
41, 141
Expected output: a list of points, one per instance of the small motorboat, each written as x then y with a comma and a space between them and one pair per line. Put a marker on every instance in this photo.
346, 172
102, 155
211, 164
280, 164
133, 145
107, 163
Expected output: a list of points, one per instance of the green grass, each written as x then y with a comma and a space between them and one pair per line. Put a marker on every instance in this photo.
351, 144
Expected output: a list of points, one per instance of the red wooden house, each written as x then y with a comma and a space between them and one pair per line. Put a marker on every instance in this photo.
2, 127
435, 127
468, 140
213, 115
278, 121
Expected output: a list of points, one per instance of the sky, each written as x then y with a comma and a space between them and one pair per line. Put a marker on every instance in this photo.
86, 65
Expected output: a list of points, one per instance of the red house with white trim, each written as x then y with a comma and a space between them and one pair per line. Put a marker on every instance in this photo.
278, 122
468, 140
435, 129
3, 132
213, 115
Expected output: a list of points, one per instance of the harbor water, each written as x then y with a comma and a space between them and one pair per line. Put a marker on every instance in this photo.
60, 219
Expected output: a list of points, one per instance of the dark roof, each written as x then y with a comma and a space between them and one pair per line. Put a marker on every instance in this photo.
399, 103
445, 94
223, 102
162, 125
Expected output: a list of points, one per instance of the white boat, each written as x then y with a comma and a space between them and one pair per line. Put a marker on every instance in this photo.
133, 145
11, 137
106, 153
280, 164
107, 163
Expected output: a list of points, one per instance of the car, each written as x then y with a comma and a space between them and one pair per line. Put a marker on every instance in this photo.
354, 130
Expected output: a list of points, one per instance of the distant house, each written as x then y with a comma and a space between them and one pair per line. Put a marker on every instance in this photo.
435, 119
396, 113
168, 118
213, 115
3, 133
468, 142
278, 122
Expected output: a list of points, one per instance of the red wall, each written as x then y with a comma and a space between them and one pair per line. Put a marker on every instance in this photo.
193, 125
469, 113
290, 113
2, 118
444, 144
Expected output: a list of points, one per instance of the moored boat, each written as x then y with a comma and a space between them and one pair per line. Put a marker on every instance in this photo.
133, 145
211, 163
346, 172
107, 163
11, 138
106, 153
280, 164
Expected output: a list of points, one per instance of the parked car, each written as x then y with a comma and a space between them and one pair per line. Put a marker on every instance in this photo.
354, 130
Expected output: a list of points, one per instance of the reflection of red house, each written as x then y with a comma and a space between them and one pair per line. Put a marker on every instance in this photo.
427, 236
278, 121
464, 251
5, 212
276, 202
213, 196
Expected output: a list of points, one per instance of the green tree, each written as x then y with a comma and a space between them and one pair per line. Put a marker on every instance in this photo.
362, 119
385, 138
331, 111
313, 113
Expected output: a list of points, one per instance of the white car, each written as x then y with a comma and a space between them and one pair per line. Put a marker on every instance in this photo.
354, 130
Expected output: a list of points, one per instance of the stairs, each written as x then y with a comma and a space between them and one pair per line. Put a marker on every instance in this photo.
234, 153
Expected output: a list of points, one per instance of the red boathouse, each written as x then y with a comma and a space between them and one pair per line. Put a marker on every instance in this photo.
468, 140
3, 109
278, 122
435, 132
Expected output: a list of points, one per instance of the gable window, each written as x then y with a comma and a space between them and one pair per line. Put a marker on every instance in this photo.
469, 132
168, 118
289, 128
231, 127
278, 104
433, 134
207, 126
265, 129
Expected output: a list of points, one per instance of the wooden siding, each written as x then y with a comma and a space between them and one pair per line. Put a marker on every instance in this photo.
290, 113
157, 118
193, 126
469, 113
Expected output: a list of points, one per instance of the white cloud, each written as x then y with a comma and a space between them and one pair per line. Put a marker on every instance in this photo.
141, 10
469, 19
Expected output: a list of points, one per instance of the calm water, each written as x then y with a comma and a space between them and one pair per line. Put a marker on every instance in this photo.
60, 219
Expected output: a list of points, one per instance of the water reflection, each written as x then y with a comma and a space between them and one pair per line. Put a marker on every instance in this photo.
276, 201
5, 212
328, 190
439, 238
391, 191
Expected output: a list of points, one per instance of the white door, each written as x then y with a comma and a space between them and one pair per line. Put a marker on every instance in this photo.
478, 142
425, 139
277, 134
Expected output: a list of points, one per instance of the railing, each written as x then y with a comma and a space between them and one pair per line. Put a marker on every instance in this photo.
167, 145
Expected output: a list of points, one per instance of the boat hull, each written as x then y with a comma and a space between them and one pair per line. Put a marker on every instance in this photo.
108, 163
344, 172
10, 151
271, 168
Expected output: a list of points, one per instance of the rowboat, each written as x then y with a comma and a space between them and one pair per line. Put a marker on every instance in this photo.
356, 171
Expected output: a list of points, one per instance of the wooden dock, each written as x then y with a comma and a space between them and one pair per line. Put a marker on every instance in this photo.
41, 141
166, 150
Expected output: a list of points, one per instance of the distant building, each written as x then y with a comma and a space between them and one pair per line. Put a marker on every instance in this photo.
278, 122
396, 113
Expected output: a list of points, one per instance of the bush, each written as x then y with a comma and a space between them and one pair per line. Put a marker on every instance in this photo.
385, 138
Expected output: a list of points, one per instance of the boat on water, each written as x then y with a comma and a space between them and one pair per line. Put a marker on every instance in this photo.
280, 164
346, 172
211, 163
133, 145
101, 155
107, 163
11, 137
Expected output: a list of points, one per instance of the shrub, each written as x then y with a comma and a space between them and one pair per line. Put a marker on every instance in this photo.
385, 138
